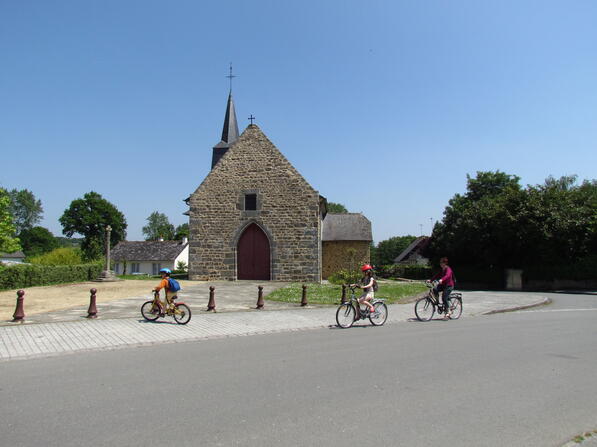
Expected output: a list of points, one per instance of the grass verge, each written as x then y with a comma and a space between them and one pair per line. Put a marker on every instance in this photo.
391, 291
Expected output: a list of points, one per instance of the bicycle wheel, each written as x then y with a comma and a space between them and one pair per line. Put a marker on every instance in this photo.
455, 308
345, 315
149, 311
380, 315
424, 309
182, 313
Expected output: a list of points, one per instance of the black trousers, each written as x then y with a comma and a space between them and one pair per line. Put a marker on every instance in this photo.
446, 291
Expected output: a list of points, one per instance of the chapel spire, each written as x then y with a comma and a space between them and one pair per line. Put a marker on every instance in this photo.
230, 129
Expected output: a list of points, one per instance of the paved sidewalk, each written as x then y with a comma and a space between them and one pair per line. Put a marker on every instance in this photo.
22, 341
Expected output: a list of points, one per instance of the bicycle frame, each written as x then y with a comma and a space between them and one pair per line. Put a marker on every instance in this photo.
170, 305
360, 314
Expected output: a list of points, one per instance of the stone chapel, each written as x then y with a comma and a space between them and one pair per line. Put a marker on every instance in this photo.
255, 217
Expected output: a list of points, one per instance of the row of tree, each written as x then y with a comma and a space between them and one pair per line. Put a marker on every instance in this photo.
499, 223
88, 216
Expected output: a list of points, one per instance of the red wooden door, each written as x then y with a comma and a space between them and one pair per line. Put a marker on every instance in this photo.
253, 254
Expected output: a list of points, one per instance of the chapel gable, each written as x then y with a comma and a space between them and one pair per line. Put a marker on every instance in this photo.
255, 217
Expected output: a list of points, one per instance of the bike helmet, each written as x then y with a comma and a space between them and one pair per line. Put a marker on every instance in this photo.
166, 271
366, 267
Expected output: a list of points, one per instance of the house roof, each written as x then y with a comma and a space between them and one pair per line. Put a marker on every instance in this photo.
147, 250
416, 246
346, 227
14, 255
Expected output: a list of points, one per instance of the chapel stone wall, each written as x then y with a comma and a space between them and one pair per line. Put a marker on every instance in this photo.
287, 211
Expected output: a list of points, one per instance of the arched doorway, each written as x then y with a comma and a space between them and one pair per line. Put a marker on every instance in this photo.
253, 254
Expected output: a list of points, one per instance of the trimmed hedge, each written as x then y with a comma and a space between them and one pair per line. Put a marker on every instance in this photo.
29, 275
583, 269
404, 271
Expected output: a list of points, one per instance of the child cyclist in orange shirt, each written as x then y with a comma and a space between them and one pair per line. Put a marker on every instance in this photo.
165, 284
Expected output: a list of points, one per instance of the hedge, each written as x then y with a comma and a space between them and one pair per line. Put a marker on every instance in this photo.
29, 275
583, 269
404, 271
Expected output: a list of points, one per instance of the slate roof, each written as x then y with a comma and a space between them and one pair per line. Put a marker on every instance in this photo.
15, 255
147, 250
416, 246
346, 227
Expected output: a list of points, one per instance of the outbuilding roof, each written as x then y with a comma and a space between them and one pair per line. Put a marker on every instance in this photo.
346, 227
147, 250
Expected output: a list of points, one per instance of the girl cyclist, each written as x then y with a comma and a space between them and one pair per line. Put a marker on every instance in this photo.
367, 283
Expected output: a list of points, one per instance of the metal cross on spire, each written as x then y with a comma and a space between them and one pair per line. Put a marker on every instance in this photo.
251, 118
230, 76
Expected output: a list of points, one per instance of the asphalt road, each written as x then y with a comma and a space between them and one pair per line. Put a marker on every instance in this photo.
514, 379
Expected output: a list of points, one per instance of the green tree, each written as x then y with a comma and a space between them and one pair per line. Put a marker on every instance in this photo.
181, 231
479, 227
89, 217
8, 242
25, 208
497, 223
558, 221
388, 250
158, 227
37, 240
336, 208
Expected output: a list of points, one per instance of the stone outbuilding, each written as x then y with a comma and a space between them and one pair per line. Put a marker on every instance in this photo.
346, 240
254, 216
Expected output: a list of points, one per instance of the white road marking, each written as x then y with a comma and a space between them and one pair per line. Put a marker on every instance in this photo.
559, 310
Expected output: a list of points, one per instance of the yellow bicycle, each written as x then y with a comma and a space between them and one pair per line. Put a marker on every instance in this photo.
154, 309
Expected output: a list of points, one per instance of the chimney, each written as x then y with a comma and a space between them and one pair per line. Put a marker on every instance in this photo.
185, 240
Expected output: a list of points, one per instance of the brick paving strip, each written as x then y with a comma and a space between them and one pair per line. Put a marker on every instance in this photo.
20, 341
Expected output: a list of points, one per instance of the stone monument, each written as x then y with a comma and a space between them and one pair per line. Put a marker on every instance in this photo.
108, 275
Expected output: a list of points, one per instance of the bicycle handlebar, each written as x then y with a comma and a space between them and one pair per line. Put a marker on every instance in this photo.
431, 284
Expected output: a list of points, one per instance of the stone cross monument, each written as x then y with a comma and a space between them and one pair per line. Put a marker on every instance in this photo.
107, 274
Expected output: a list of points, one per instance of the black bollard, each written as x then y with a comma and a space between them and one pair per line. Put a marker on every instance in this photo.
260, 298
19, 314
92, 311
304, 298
211, 305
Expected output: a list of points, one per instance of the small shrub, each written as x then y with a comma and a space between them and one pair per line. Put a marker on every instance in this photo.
59, 256
344, 277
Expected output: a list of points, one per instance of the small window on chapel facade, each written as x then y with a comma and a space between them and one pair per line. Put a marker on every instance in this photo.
250, 202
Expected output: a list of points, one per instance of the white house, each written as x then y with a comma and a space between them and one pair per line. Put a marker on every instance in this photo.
12, 258
149, 257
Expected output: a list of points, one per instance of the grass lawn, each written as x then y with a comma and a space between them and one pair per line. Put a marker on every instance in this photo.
391, 291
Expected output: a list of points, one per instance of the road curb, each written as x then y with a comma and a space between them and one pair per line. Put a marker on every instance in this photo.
543, 302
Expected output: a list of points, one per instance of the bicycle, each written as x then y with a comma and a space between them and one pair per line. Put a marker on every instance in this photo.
351, 311
427, 306
154, 309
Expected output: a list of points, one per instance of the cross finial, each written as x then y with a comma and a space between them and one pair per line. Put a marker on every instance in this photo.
230, 76
251, 118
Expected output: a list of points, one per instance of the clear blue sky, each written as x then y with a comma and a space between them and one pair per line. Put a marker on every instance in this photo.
384, 106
